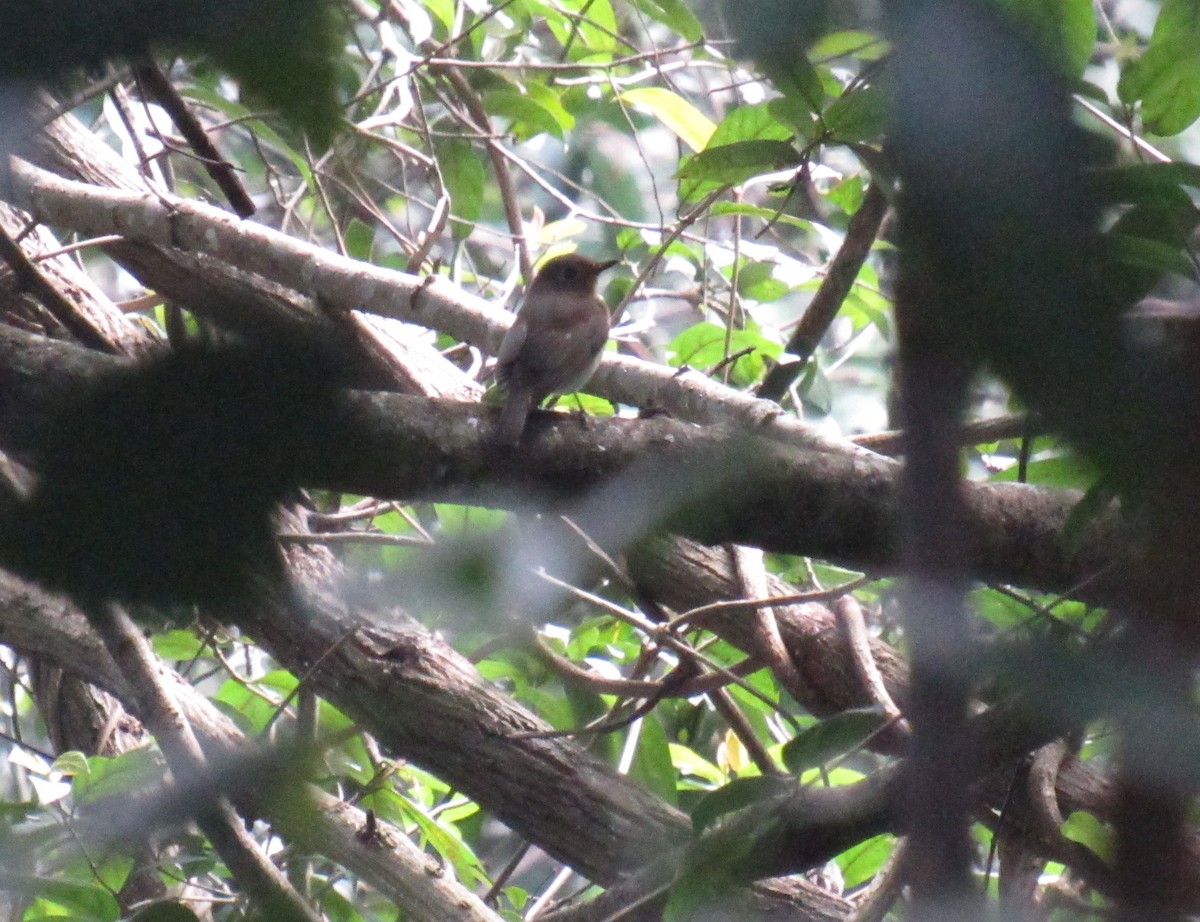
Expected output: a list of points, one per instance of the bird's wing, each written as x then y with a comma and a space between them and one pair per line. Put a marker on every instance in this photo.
510, 347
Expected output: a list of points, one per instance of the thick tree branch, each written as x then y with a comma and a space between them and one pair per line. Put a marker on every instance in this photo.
754, 491
343, 284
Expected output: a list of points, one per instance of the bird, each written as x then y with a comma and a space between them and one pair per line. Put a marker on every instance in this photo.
555, 343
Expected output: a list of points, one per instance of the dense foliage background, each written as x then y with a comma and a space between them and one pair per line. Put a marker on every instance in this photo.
654, 664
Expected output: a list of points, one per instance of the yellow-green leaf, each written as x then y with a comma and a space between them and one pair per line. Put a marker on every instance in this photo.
1089, 832
692, 126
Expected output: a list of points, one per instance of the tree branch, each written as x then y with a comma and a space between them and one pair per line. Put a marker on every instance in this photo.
833, 505
344, 284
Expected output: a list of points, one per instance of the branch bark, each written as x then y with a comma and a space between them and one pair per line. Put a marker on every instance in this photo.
741, 488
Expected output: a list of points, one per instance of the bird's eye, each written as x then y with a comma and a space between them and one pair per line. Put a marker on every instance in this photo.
569, 273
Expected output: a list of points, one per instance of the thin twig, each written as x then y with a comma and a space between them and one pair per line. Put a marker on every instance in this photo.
891, 442
854, 629
504, 180
637, 688
660, 252
750, 574
724, 704
352, 537
155, 86
839, 279
660, 633
31, 279
695, 617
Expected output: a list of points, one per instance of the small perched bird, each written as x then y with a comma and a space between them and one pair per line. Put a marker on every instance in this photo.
554, 345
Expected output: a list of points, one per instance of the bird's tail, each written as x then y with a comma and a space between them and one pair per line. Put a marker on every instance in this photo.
518, 402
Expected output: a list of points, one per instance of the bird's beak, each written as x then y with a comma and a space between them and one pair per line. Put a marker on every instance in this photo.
607, 264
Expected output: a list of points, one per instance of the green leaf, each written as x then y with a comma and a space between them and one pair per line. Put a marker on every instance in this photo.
865, 46
861, 863
358, 237
1137, 182
249, 705
734, 163
689, 762
857, 116
112, 870
801, 119
447, 842
463, 521
1079, 34
1148, 239
526, 118
759, 122
71, 763
757, 282
1065, 30
1070, 471
1149, 254
768, 215
443, 10
549, 704
177, 644
79, 902
465, 177
1177, 19
120, 775
689, 124
830, 738
599, 29
675, 15
702, 345
726, 159
764, 291
848, 194
865, 306
1001, 611
652, 764
736, 795
589, 35
1092, 834
552, 103
1166, 79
